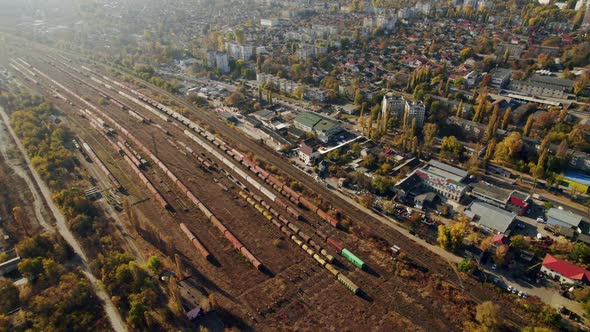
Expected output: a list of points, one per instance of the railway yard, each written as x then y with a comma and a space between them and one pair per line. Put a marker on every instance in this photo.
276, 259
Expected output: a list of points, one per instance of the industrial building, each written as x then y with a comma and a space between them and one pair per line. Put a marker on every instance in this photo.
444, 179
490, 218
563, 218
310, 122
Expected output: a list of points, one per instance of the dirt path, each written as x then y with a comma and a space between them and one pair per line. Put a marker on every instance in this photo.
6, 145
112, 313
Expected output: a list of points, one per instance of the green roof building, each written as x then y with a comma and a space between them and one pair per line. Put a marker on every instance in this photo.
311, 122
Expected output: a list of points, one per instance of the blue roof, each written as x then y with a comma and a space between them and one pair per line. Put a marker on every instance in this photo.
578, 177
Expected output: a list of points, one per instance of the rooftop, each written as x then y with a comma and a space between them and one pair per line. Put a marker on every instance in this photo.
490, 216
566, 269
564, 216
315, 121
496, 193
445, 171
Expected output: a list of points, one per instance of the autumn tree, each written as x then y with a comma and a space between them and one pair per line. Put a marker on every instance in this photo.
388, 207
451, 237
451, 148
508, 148
488, 315
500, 255
529, 124
474, 162
492, 125
367, 200
459, 109
429, 132
9, 296
506, 118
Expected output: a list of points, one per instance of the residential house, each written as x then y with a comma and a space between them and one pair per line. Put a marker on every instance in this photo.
564, 272
307, 153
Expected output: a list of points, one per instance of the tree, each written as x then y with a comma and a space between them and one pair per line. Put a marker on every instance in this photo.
492, 125
451, 238
451, 148
506, 118
429, 131
581, 253
154, 264
367, 200
9, 296
518, 241
459, 109
508, 148
30, 268
488, 314
489, 150
527, 127
388, 207
500, 254
466, 265
473, 163
562, 149
506, 55
382, 185
466, 53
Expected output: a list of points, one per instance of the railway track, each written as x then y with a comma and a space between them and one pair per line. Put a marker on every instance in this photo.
415, 251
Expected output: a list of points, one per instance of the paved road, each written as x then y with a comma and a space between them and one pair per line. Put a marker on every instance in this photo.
112, 313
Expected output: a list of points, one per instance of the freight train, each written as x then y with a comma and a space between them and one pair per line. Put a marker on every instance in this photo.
306, 242
219, 225
278, 185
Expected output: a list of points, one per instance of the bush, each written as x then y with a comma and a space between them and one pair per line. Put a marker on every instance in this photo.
466, 265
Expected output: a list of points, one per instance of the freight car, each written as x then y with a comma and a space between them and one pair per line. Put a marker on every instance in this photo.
195, 241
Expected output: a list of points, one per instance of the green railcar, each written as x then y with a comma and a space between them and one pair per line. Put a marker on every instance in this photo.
352, 258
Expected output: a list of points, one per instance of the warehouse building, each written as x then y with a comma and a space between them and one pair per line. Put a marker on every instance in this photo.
445, 180
511, 200
563, 218
310, 122
491, 218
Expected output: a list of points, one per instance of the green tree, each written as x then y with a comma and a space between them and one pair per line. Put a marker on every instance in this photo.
9, 296
154, 264
466, 265
581, 253
30, 268
451, 148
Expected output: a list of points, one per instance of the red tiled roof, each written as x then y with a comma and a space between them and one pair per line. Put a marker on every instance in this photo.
500, 239
566, 269
518, 202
